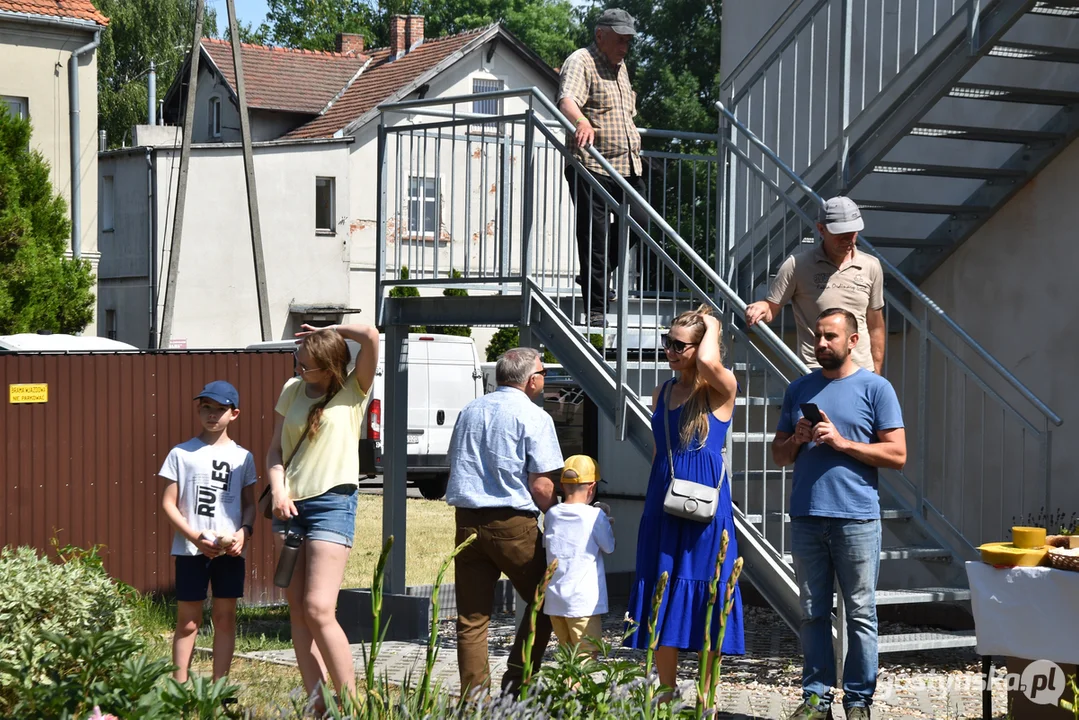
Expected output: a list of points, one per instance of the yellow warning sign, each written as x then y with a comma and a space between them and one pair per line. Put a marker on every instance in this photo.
28, 393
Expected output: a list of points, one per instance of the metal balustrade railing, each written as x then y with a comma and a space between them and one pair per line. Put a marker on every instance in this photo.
511, 230
980, 442
825, 61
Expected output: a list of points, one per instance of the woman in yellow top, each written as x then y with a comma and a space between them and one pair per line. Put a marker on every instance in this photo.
316, 496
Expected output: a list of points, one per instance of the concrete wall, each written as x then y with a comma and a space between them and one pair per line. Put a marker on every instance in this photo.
216, 302
468, 172
34, 65
1008, 287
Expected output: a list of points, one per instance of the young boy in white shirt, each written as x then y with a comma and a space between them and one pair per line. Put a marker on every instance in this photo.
210, 500
577, 533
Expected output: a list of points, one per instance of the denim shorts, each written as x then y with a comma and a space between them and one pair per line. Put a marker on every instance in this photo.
330, 517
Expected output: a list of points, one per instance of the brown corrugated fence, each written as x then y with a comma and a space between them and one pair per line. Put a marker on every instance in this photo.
82, 467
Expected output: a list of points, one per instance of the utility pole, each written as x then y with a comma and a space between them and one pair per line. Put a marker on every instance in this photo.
249, 171
181, 185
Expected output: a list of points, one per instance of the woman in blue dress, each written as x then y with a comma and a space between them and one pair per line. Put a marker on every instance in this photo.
700, 406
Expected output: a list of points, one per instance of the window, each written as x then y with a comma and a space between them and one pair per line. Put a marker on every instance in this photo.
423, 206
324, 212
486, 106
215, 117
17, 106
108, 203
110, 324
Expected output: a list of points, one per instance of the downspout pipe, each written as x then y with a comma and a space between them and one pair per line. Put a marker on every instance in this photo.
76, 174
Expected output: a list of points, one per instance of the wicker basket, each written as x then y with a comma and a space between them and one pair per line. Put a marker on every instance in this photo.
1062, 560
1063, 541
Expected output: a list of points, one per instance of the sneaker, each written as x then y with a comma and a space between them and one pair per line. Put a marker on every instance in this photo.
858, 713
807, 711
597, 319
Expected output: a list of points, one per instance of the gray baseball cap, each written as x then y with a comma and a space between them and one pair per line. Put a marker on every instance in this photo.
618, 20
840, 215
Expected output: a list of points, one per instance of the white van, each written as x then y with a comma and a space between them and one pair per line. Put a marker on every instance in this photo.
443, 376
60, 342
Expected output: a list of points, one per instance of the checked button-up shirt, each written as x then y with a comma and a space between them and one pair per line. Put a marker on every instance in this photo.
603, 93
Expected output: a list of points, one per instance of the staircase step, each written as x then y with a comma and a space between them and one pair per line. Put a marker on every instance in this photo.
902, 553
1055, 9
753, 437
888, 514
1023, 96
1027, 51
922, 595
984, 134
947, 171
937, 640
898, 242
758, 401
923, 208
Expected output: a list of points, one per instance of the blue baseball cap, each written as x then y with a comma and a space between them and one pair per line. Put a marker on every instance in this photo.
222, 392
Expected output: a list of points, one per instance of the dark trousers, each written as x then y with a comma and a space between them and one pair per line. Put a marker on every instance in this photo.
598, 233
507, 541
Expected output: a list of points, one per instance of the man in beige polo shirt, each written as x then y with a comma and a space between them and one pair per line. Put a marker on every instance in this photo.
831, 274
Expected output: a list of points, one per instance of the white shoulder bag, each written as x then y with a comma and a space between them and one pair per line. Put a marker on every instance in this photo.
685, 498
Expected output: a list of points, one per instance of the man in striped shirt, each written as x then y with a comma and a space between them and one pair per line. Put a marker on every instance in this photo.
594, 93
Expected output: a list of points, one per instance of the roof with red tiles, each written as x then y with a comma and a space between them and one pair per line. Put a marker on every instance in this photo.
73, 9
302, 81
384, 78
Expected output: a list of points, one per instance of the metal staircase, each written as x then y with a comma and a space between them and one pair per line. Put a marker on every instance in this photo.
504, 232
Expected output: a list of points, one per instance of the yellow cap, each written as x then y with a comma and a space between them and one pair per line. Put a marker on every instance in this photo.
580, 470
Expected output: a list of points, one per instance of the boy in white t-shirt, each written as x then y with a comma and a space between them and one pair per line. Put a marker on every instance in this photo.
576, 533
210, 500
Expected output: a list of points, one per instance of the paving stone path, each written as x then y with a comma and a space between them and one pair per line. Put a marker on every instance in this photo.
762, 685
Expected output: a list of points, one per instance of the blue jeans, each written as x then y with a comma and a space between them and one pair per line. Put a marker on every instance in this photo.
826, 548
330, 517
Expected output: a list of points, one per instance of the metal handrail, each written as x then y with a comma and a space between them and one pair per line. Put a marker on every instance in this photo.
903, 280
765, 333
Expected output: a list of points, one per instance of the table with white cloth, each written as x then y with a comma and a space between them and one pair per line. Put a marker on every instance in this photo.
1023, 612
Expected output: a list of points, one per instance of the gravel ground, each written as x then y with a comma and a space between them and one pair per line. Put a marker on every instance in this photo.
766, 682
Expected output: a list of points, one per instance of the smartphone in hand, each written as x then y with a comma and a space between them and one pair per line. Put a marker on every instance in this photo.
811, 412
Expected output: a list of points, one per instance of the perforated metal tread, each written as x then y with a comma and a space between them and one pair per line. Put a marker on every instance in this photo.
913, 642
946, 171
889, 514
902, 553
984, 134
922, 595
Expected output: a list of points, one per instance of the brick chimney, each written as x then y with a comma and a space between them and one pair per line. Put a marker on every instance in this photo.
406, 31
349, 43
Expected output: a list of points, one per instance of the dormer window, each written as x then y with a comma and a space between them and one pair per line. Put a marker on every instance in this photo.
215, 117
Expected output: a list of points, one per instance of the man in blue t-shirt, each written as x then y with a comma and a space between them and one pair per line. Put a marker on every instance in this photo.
835, 509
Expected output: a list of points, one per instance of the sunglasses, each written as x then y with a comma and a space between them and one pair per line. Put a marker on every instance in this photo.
676, 346
542, 372
303, 368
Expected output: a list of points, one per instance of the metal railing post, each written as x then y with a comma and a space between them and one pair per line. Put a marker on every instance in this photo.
528, 194
505, 198
923, 411
380, 220
721, 199
623, 318
844, 96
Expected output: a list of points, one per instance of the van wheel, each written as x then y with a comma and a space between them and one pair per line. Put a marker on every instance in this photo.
433, 488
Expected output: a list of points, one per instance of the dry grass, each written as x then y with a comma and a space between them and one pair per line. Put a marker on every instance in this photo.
264, 687
429, 540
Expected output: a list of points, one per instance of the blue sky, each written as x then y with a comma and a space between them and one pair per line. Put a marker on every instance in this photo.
249, 11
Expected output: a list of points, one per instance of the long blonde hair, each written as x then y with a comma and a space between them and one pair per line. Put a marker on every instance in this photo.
329, 352
694, 424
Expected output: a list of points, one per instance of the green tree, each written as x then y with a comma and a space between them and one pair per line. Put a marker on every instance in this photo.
550, 27
462, 331
141, 31
40, 289
674, 61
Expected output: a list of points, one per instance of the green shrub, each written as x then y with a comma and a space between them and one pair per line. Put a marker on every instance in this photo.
40, 599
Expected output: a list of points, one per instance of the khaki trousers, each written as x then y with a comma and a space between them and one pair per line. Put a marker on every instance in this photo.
507, 541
